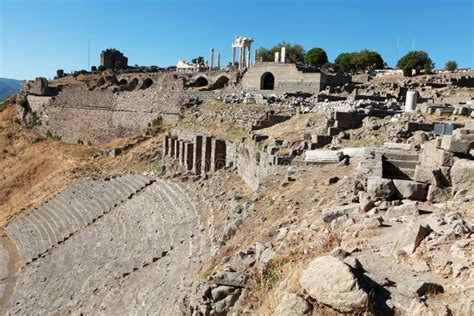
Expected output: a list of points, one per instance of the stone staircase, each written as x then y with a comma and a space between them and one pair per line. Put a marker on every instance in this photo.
68, 212
399, 164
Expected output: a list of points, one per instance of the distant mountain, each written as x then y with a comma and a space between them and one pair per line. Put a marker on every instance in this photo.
8, 87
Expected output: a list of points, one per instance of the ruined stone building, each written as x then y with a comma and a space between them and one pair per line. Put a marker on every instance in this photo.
112, 58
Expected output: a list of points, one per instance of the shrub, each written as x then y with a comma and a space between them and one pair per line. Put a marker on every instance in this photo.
101, 68
52, 136
270, 276
33, 120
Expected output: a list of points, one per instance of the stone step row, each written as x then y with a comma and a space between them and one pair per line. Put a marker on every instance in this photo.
119, 245
68, 212
4, 259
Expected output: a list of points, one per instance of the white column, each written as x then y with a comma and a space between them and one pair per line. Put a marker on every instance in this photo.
218, 60
255, 56
277, 57
233, 56
283, 54
241, 59
248, 56
410, 102
212, 59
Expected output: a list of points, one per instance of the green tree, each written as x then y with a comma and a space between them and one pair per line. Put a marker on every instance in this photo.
451, 65
294, 52
365, 60
101, 68
119, 64
316, 57
417, 61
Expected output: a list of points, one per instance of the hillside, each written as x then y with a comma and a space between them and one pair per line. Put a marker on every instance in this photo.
8, 87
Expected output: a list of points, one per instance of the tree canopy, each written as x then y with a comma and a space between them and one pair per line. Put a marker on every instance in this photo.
294, 52
451, 65
316, 57
364, 60
417, 61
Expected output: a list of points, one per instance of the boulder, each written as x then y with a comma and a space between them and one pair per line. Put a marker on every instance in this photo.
462, 175
221, 292
229, 278
292, 304
380, 188
412, 190
330, 281
331, 214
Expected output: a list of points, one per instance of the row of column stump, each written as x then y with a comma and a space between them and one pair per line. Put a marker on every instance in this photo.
201, 154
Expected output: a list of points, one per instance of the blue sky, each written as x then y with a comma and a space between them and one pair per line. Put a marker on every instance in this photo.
39, 36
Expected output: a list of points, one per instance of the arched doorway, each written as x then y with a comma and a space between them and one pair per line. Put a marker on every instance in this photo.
200, 82
221, 82
146, 83
267, 82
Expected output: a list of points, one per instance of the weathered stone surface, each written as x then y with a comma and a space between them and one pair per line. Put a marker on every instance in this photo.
430, 175
434, 156
229, 278
462, 175
292, 304
455, 145
412, 190
380, 188
412, 236
329, 281
331, 214
418, 288
221, 292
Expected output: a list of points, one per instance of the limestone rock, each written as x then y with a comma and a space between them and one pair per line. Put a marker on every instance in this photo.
229, 278
380, 188
292, 304
412, 236
333, 213
412, 190
462, 175
330, 281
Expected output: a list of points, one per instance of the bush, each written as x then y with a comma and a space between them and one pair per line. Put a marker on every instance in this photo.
101, 68
417, 61
451, 65
270, 276
294, 52
364, 60
120, 65
316, 57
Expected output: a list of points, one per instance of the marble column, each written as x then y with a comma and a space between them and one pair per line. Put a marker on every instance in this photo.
218, 60
212, 59
233, 56
277, 57
248, 56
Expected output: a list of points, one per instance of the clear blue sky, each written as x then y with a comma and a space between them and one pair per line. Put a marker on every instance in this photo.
39, 36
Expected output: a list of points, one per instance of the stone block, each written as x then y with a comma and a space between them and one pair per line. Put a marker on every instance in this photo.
228, 278
322, 156
406, 189
462, 175
412, 237
331, 214
380, 188
428, 175
434, 156
398, 146
455, 145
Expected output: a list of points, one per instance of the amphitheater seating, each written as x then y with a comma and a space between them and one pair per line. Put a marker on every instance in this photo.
146, 248
68, 212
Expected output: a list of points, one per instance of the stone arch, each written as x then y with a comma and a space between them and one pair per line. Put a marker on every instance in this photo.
267, 81
132, 85
146, 83
200, 82
123, 82
221, 82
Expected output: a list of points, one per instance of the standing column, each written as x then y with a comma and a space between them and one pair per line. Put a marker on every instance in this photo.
241, 59
283, 55
255, 56
218, 60
277, 57
212, 58
233, 56
248, 56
